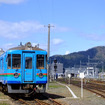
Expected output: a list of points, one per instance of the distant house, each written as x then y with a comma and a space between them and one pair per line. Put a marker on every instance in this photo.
74, 72
102, 75
89, 72
92, 72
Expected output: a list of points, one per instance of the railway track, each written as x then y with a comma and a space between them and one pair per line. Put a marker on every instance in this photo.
36, 101
40, 102
52, 100
94, 86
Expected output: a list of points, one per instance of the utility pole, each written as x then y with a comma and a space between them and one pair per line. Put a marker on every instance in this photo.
80, 64
88, 60
48, 54
102, 70
88, 65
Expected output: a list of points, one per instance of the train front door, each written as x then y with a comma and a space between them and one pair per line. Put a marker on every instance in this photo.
28, 67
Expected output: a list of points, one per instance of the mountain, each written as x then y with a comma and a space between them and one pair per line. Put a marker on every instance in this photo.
96, 54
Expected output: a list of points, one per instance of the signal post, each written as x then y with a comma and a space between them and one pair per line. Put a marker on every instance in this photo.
55, 67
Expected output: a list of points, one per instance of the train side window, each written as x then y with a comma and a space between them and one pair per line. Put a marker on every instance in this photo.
9, 61
40, 61
16, 61
28, 63
46, 61
2, 63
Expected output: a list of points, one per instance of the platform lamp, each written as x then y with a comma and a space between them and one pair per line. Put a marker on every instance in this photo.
55, 67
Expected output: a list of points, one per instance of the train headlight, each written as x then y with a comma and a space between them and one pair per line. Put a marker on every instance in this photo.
41, 75
16, 75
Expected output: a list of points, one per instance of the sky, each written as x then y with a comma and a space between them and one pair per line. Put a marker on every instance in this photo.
78, 25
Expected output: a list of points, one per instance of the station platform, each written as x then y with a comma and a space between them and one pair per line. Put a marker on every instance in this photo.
66, 97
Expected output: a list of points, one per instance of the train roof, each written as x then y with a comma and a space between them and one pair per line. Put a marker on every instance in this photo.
27, 46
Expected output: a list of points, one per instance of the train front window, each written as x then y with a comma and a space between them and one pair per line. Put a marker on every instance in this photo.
28, 63
40, 61
16, 61
9, 61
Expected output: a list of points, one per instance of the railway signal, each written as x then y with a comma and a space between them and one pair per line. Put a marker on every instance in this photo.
55, 60
55, 66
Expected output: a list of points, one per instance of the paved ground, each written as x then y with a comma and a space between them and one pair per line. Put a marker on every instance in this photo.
88, 99
64, 96
5, 100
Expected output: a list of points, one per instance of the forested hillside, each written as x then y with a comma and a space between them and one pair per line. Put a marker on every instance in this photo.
96, 54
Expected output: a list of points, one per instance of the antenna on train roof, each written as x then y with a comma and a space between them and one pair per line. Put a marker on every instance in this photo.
37, 46
21, 44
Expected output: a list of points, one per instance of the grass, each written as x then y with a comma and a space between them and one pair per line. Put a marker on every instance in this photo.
2, 96
3, 103
54, 85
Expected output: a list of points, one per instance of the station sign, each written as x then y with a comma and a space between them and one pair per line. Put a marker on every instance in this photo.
90, 68
82, 75
69, 75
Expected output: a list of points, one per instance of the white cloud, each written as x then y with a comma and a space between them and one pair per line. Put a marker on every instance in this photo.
18, 29
22, 29
61, 29
42, 46
34, 44
67, 52
11, 1
58, 28
57, 41
94, 37
7, 46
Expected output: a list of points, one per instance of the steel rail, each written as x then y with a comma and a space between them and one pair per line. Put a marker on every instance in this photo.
23, 101
52, 100
39, 102
97, 88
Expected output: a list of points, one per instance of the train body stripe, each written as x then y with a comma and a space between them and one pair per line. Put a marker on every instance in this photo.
43, 73
8, 74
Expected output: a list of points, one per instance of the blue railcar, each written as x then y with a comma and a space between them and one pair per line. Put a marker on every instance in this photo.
23, 69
